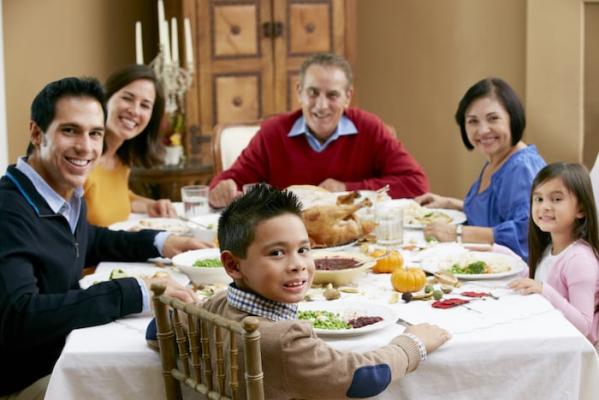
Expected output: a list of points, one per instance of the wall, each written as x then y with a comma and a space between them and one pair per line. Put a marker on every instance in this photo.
591, 83
416, 58
50, 39
3, 135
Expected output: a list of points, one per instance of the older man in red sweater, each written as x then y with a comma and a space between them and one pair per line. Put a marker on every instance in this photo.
325, 143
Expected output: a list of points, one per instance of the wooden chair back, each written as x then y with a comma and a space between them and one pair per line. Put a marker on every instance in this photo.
228, 142
193, 345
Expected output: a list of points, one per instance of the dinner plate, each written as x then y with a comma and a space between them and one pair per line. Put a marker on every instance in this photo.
173, 225
412, 210
311, 196
141, 271
341, 247
349, 310
442, 257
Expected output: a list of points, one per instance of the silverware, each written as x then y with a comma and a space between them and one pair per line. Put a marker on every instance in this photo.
403, 322
182, 218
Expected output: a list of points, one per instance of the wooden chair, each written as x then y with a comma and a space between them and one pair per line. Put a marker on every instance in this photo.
193, 343
228, 142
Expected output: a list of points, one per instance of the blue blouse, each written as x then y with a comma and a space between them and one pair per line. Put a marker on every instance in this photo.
505, 204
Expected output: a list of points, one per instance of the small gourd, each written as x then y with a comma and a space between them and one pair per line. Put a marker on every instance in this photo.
410, 279
389, 262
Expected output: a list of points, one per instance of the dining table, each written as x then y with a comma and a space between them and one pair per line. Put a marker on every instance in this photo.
504, 346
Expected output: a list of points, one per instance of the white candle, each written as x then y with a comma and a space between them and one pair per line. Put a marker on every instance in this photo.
166, 43
139, 52
188, 44
160, 19
174, 41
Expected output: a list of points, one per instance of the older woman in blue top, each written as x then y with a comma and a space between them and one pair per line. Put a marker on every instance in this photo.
491, 120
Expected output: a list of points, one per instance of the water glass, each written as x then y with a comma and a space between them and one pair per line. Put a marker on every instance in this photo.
195, 200
389, 226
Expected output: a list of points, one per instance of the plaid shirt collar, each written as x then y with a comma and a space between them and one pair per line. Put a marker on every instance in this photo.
257, 305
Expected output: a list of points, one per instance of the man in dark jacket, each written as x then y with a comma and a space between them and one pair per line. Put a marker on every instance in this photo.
45, 241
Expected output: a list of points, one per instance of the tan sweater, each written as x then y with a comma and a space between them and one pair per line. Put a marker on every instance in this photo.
299, 365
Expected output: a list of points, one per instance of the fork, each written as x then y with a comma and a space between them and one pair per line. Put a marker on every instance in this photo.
182, 218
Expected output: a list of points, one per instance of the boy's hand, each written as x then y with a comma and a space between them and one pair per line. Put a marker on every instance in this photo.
431, 335
526, 286
174, 245
173, 288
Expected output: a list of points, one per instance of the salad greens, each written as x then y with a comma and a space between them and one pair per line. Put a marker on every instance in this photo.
477, 267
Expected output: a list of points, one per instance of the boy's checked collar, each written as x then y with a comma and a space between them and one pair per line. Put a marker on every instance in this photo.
257, 305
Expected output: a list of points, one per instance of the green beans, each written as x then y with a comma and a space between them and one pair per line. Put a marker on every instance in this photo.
324, 319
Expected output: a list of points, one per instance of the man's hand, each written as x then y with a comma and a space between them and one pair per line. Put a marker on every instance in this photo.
431, 200
178, 244
441, 231
161, 208
333, 185
526, 286
173, 288
223, 193
431, 336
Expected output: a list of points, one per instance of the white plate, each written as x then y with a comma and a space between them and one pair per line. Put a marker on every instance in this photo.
346, 311
140, 271
311, 196
173, 225
444, 256
410, 206
341, 247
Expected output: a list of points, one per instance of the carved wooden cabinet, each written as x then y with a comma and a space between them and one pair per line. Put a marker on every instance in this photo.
248, 53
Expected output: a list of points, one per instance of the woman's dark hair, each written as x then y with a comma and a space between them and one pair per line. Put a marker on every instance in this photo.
499, 89
576, 179
144, 148
237, 224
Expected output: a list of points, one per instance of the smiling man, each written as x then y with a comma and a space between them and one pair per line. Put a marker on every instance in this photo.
326, 143
45, 241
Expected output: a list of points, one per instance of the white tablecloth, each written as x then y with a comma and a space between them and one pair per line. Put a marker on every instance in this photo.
517, 347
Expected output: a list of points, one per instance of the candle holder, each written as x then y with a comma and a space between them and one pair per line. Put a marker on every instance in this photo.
174, 79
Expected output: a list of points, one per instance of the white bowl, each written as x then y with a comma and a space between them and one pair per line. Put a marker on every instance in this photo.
342, 277
198, 275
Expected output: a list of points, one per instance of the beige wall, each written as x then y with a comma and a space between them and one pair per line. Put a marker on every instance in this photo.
416, 58
50, 39
591, 83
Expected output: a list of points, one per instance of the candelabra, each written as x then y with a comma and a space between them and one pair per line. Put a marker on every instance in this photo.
174, 79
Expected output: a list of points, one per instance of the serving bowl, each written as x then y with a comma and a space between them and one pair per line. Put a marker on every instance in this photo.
205, 227
340, 277
201, 275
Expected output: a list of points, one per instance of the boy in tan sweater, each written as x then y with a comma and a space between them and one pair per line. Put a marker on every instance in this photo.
266, 250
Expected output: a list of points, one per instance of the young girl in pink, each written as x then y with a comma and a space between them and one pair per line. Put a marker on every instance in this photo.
564, 245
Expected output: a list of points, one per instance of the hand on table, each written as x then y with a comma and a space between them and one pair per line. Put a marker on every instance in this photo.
431, 336
432, 200
161, 208
333, 185
173, 288
223, 193
441, 231
526, 286
178, 244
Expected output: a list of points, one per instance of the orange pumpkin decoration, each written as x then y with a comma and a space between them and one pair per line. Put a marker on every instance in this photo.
389, 263
410, 279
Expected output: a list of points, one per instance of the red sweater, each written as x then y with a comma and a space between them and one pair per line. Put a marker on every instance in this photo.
368, 160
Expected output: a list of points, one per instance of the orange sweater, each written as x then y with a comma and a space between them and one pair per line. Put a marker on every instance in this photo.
107, 195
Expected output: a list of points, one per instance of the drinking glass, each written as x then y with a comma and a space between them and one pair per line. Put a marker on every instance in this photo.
389, 226
195, 200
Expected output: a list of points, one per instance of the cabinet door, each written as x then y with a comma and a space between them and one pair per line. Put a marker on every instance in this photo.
235, 68
309, 26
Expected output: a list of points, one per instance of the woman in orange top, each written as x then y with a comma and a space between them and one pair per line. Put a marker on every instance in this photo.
135, 106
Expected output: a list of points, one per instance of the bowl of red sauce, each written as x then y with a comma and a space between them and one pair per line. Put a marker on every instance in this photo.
340, 268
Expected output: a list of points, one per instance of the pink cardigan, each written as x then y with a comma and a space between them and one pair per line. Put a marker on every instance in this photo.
573, 287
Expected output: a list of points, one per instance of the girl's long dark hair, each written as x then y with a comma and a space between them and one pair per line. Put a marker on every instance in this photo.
144, 149
576, 179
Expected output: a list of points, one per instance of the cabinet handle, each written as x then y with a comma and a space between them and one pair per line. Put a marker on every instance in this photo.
272, 29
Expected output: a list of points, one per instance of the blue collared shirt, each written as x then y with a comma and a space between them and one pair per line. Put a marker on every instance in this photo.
257, 305
69, 209
344, 127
